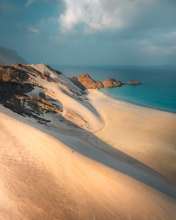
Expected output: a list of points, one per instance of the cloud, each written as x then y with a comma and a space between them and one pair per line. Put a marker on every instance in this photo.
99, 15
29, 2
171, 50
34, 30
45, 24
44, 27
146, 46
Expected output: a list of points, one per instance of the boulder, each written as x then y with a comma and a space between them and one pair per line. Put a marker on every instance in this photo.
110, 83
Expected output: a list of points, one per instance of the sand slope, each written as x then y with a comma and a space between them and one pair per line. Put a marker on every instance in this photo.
147, 135
41, 178
73, 167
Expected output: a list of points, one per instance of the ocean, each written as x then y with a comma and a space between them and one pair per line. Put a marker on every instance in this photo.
157, 91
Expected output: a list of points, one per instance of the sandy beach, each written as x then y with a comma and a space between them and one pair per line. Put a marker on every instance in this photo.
147, 135
100, 159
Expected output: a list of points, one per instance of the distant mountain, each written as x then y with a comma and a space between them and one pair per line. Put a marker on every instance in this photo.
8, 57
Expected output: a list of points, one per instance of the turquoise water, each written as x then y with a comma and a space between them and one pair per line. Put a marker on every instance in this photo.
158, 89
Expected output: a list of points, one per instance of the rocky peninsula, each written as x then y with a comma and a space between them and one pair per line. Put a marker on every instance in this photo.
84, 81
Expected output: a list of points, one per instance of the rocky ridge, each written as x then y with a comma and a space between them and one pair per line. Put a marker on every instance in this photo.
33, 72
17, 83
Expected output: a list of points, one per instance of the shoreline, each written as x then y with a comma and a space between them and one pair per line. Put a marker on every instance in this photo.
113, 97
138, 108
155, 130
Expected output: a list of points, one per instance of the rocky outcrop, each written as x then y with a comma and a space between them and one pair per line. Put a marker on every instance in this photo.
84, 81
11, 74
30, 70
14, 84
133, 82
88, 83
110, 83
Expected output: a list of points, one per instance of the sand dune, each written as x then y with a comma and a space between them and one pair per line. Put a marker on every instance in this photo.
42, 179
145, 134
99, 159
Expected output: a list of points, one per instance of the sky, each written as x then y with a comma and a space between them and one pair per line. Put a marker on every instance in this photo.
90, 32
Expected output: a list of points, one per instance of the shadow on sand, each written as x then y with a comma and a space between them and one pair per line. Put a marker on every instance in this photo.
89, 145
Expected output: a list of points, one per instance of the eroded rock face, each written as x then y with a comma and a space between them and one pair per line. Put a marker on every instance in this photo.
88, 82
133, 82
14, 84
34, 72
11, 74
